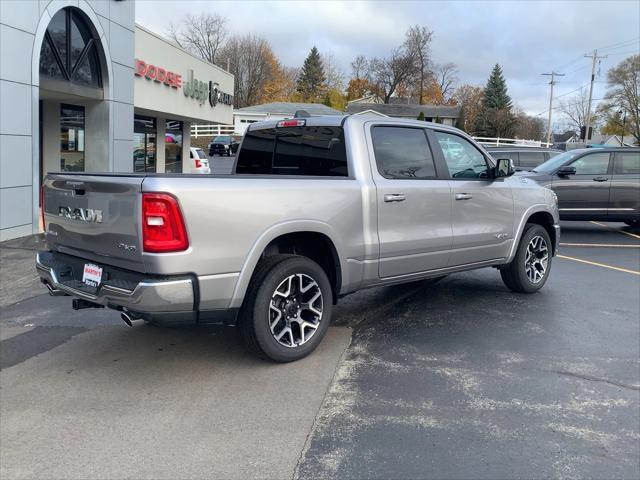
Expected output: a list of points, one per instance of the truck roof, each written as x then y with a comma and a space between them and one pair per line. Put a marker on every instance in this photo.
338, 120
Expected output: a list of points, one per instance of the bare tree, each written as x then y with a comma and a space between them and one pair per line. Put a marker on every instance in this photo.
575, 110
333, 72
418, 47
202, 34
250, 60
389, 73
528, 127
623, 94
446, 76
360, 68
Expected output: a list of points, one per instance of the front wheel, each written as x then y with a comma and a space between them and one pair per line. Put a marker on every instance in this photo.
287, 310
633, 223
529, 269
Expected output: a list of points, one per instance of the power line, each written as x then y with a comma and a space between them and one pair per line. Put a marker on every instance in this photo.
614, 45
569, 105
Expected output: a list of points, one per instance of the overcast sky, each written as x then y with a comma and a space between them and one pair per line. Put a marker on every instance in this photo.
527, 38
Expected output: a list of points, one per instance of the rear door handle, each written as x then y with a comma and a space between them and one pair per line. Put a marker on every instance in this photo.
394, 197
600, 179
463, 196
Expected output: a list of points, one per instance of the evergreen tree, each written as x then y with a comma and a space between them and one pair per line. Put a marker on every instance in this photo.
438, 119
311, 83
495, 118
420, 116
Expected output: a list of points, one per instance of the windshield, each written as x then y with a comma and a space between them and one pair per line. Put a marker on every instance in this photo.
556, 162
222, 139
201, 154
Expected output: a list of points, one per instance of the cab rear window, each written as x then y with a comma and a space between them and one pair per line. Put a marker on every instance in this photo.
307, 151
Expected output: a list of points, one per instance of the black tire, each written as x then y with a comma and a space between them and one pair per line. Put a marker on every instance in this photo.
633, 223
514, 274
254, 318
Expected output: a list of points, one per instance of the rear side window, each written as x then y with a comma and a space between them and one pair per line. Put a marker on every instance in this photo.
627, 163
531, 159
402, 152
307, 151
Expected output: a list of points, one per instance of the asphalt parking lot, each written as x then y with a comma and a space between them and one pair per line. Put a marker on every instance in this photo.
461, 379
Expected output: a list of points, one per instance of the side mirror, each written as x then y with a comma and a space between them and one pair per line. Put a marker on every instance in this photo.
504, 168
567, 170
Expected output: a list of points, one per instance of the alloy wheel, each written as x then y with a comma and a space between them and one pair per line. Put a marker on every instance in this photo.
295, 310
536, 259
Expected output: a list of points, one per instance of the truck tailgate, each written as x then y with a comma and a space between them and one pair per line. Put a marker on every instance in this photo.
96, 217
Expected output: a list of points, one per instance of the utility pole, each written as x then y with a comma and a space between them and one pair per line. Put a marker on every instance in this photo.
594, 57
552, 83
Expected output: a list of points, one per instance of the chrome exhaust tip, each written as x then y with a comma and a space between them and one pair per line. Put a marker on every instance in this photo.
126, 318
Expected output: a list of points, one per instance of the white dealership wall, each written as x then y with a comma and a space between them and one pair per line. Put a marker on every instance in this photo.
22, 28
109, 120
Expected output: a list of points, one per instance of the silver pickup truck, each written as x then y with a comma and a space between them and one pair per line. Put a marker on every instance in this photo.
317, 208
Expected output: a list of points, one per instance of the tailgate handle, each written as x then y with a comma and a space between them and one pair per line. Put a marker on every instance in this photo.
78, 192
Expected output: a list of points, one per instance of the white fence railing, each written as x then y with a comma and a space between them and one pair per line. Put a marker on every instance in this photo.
211, 130
501, 142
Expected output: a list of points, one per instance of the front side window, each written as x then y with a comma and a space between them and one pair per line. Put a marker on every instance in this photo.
402, 152
71, 138
463, 159
627, 163
592, 164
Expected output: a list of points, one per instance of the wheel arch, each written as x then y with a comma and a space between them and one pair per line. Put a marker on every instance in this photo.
540, 215
315, 240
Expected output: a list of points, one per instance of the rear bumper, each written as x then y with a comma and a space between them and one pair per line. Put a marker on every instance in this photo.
145, 296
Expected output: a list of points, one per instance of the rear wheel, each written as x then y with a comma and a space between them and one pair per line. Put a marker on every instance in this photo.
287, 309
529, 269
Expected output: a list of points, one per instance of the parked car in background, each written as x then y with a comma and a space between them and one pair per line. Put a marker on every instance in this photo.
594, 183
524, 158
223, 145
199, 163
316, 208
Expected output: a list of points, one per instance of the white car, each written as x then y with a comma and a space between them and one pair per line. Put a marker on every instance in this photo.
198, 162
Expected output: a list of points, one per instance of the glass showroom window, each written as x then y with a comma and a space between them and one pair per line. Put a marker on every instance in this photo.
173, 147
71, 138
69, 50
144, 144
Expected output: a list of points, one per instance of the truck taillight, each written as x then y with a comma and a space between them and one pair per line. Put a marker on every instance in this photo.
163, 228
198, 163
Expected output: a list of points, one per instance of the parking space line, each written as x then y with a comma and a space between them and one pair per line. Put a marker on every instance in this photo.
605, 245
617, 230
634, 272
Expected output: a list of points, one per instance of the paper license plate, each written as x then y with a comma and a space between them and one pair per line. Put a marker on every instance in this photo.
92, 275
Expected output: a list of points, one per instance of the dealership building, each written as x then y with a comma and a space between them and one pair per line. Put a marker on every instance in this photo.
85, 89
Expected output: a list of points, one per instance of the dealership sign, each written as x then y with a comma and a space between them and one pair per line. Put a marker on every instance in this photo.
199, 90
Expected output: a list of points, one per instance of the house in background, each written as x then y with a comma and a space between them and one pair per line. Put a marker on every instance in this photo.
448, 115
243, 117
